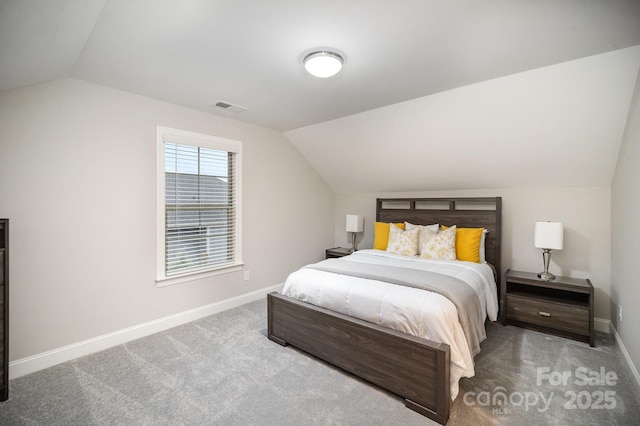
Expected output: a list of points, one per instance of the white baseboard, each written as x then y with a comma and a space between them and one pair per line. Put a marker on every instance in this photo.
627, 357
53, 357
602, 325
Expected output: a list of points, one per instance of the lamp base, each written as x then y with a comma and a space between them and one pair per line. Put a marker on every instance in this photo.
546, 276
353, 242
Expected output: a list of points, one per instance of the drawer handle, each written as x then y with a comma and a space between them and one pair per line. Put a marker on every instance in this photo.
544, 314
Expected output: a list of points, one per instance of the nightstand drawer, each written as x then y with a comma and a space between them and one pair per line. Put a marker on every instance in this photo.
561, 316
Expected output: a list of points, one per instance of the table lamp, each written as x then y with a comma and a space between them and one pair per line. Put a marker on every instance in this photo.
355, 224
548, 236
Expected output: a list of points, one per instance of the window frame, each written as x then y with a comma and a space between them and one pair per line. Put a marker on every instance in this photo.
167, 134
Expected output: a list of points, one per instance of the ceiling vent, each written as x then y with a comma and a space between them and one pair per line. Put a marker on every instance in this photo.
228, 106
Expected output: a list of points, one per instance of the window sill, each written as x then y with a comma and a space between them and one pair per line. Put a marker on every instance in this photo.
193, 276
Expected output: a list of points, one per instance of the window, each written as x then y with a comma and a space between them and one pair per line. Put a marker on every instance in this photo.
198, 205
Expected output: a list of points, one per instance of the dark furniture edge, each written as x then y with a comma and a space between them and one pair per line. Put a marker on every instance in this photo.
4, 389
415, 369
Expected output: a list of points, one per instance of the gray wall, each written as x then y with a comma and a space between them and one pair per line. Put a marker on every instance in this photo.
78, 181
625, 233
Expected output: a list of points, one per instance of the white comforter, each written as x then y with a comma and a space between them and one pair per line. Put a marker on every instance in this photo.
418, 312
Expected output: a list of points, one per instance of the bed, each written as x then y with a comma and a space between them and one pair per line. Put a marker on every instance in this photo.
404, 362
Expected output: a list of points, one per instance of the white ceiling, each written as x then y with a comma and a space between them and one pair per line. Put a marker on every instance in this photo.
560, 125
195, 52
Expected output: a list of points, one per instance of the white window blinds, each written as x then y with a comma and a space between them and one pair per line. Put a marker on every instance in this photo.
200, 206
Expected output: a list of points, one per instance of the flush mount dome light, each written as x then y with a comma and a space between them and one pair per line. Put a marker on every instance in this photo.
323, 64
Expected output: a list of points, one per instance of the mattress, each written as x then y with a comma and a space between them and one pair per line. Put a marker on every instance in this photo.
415, 311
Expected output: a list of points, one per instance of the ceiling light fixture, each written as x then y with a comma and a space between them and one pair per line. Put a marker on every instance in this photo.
323, 63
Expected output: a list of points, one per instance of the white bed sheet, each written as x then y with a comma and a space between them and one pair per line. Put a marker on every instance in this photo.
415, 311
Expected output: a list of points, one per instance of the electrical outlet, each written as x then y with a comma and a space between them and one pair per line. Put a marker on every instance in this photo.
619, 312
247, 275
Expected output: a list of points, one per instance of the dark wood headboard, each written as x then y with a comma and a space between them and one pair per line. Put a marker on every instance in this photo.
478, 212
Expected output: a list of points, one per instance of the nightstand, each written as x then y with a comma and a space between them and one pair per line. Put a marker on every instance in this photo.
563, 306
337, 252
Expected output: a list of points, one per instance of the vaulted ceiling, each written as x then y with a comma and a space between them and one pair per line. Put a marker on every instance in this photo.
249, 53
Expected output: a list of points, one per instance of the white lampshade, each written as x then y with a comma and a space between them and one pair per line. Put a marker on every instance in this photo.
355, 223
549, 235
323, 64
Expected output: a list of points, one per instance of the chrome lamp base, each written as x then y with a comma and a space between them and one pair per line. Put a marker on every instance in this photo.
353, 242
546, 275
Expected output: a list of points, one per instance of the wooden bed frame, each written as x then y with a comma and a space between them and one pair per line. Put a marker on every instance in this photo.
416, 369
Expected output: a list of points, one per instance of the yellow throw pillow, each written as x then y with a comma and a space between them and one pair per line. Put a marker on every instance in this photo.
468, 244
381, 235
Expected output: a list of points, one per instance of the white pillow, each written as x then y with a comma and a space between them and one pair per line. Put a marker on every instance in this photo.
440, 245
403, 242
484, 235
435, 228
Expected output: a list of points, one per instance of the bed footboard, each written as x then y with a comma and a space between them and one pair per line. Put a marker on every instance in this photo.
413, 368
